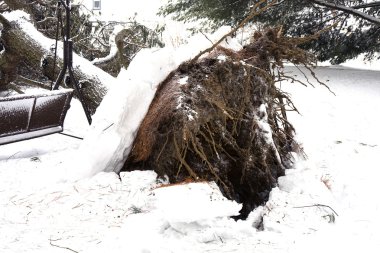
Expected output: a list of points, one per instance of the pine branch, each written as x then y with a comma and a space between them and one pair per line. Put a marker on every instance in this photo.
256, 10
349, 10
369, 5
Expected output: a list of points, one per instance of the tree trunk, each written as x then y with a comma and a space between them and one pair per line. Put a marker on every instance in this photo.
115, 60
19, 5
23, 42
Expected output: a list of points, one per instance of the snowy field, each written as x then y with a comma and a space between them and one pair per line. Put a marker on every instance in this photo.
327, 203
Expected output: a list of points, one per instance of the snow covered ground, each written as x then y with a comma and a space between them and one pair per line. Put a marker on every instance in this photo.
327, 203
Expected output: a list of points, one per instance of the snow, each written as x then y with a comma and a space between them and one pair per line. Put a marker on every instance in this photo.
360, 62
327, 203
113, 50
265, 129
116, 120
183, 80
118, 117
221, 58
209, 203
341, 139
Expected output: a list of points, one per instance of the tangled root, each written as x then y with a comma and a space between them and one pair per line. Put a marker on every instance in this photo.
222, 118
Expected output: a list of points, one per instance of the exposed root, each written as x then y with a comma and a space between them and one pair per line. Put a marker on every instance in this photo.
228, 123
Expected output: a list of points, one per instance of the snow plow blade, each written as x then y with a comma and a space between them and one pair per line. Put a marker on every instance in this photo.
25, 117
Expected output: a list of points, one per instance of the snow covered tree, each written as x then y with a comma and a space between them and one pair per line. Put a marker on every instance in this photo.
123, 40
26, 57
27, 46
27, 34
355, 31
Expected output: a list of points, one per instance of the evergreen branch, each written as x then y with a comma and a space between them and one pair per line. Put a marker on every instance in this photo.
349, 10
256, 10
369, 5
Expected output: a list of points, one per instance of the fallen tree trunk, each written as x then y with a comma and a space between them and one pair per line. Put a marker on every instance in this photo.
23, 5
23, 42
115, 60
222, 118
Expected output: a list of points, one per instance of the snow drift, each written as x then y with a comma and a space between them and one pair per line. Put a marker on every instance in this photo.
117, 119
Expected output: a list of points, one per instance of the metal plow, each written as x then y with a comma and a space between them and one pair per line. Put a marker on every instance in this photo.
25, 117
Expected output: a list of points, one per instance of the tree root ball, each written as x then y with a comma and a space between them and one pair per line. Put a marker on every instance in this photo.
218, 119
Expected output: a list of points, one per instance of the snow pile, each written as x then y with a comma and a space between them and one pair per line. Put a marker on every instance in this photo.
328, 203
117, 119
343, 156
121, 111
105, 214
203, 199
196, 212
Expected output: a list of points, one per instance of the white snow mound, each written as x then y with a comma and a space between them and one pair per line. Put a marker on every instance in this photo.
117, 119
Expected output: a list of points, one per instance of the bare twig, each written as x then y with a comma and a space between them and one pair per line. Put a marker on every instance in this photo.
319, 205
317, 79
12, 156
61, 247
206, 37
47, 19
33, 82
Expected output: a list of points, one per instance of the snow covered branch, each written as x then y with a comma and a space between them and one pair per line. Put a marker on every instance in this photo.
367, 5
115, 55
350, 10
25, 43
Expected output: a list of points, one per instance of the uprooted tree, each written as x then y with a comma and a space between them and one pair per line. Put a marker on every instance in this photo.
220, 117
27, 54
223, 118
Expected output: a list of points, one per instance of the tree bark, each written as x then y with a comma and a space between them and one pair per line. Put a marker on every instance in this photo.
23, 42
